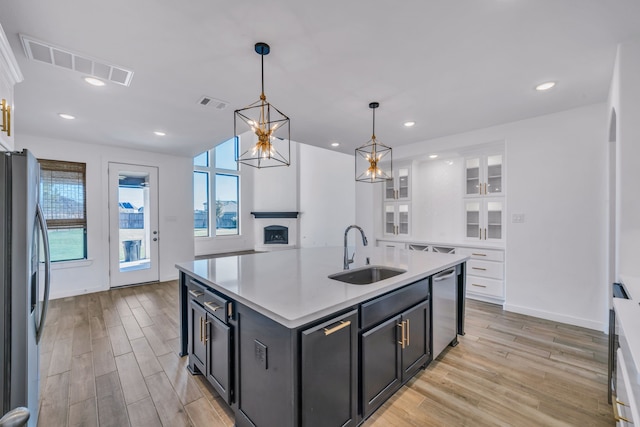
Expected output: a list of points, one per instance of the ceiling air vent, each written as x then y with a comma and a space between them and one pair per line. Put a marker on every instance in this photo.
208, 101
65, 58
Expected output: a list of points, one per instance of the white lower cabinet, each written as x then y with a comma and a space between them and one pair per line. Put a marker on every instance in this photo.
485, 274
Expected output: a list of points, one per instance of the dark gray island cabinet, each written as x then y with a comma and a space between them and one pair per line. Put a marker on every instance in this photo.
332, 368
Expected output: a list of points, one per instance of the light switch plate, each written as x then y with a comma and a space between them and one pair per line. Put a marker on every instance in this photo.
517, 218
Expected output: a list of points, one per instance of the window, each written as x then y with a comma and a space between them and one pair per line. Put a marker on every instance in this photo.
63, 201
216, 177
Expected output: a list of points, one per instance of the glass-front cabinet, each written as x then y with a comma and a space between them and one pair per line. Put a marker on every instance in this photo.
398, 188
484, 175
396, 219
484, 219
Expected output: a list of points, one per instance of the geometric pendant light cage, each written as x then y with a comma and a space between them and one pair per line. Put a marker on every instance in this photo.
270, 126
373, 158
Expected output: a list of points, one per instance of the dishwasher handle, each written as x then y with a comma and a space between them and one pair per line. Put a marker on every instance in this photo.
444, 275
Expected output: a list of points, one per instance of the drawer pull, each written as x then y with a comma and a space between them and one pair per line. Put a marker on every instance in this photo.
195, 294
342, 325
616, 414
479, 286
211, 306
474, 254
479, 268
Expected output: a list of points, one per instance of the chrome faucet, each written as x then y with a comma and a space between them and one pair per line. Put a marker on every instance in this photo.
348, 260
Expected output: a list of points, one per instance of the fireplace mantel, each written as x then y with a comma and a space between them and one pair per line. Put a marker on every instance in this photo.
262, 215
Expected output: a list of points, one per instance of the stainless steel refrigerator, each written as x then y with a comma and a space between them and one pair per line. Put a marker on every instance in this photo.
24, 299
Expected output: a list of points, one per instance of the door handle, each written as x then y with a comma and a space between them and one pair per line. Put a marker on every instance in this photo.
47, 270
343, 324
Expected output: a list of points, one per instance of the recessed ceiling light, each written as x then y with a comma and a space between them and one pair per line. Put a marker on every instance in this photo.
66, 116
433, 156
409, 124
93, 81
335, 144
159, 133
545, 86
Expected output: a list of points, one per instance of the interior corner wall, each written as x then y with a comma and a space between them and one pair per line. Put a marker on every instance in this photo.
175, 219
625, 98
327, 196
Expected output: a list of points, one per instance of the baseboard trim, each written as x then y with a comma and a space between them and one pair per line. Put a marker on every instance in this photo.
570, 320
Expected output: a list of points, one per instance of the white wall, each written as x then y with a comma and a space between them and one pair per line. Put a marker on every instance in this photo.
327, 196
625, 98
175, 210
556, 176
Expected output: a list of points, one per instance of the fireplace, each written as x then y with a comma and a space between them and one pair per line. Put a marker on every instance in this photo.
276, 235
275, 231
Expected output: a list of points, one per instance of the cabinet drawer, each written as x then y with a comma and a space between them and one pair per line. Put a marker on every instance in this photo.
218, 306
482, 254
195, 291
484, 286
383, 307
493, 270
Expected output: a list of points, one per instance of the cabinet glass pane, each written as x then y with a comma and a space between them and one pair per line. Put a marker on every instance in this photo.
403, 219
473, 220
473, 176
388, 189
494, 220
403, 183
494, 174
389, 219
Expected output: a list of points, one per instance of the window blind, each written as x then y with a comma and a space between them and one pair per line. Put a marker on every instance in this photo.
63, 193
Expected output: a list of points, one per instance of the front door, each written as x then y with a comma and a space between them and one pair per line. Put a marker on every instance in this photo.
133, 224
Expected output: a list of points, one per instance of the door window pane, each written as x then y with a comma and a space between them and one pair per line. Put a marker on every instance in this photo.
226, 204
225, 155
200, 204
133, 204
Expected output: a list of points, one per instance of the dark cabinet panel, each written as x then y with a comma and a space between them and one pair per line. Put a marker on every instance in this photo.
381, 374
219, 357
329, 372
197, 337
416, 347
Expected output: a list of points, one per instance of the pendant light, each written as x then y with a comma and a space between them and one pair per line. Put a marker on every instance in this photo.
271, 127
373, 158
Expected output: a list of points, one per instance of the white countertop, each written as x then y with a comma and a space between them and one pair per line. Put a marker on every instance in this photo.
448, 243
292, 287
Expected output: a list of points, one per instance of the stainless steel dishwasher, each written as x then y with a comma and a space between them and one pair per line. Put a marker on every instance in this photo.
444, 308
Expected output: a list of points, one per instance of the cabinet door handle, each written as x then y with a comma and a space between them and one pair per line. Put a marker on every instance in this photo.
479, 233
479, 286
401, 325
408, 332
474, 268
485, 234
211, 306
201, 329
343, 324
4, 115
195, 294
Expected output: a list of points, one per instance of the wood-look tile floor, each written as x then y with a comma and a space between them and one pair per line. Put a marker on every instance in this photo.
111, 359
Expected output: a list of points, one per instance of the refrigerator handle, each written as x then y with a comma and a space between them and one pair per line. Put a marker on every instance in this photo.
47, 271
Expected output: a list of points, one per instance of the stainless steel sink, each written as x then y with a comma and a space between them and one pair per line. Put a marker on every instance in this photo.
366, 275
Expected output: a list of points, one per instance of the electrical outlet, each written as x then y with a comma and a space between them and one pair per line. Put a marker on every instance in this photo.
517, 218
260, 353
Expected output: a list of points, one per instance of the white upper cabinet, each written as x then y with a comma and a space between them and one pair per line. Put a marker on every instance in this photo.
397, 219
398, 188
484, 219
9, 75
484, 175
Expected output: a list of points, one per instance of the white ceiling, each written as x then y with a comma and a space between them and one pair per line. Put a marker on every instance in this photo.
449, 65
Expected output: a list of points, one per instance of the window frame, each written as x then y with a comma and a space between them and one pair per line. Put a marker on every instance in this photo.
56, 224
212, 172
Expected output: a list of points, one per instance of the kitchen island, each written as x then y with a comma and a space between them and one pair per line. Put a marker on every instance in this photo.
286, 345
